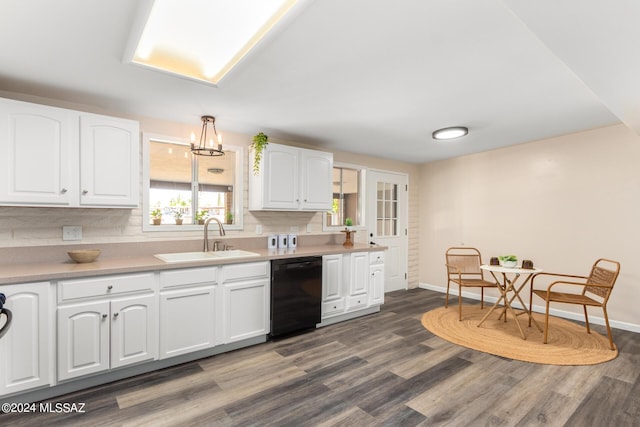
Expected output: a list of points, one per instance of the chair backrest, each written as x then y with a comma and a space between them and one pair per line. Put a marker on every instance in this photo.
466, 259
604, 273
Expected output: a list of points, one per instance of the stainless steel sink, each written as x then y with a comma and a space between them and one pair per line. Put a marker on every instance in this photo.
205, 256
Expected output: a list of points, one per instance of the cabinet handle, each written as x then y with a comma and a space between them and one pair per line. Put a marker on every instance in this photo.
64, 190
85, 192
109, 287
115, 314
104, 316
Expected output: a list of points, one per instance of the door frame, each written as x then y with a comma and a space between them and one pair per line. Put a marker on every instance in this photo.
370, 214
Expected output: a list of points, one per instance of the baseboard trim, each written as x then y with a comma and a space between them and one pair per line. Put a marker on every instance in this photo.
632, 327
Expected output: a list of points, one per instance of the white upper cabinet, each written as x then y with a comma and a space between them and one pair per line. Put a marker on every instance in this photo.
38, 149
58, 157
292, 179
109, 157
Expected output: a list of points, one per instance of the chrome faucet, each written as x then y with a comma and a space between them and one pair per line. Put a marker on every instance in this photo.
206, 232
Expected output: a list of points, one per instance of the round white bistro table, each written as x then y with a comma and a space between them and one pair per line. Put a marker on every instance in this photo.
510, 287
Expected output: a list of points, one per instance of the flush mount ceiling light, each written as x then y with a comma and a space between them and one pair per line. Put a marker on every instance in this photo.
201, 39
210, 142
450, 133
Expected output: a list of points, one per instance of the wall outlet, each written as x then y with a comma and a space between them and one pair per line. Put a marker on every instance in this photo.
309, 228
71, 232
294, 229
259, 229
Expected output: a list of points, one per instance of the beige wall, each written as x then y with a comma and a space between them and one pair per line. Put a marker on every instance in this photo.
21, 227
562, 202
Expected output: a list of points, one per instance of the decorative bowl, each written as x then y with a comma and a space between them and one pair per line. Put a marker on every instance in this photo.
82, 256
510, 264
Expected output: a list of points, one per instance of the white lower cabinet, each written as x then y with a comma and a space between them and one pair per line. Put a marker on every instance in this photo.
376, 278
189, 307
188, 320
98, 334
247, 293
333, 299
358, 296
351, 282
25, 350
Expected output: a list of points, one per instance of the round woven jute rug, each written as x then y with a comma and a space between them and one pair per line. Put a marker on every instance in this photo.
568, 342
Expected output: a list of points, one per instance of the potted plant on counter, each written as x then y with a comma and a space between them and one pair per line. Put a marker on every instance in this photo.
258, 145
178, 217
348, 222
201, 215
156, 216
229, 218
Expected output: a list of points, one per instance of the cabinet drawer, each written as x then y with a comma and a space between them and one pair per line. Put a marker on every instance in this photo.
357, 301
376, 257
188, 276
249, 270
104, 286
332, 307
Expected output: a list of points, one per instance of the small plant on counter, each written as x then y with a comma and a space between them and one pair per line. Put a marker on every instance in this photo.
348, 222
178, 216
258, 145
229, 218
156, 216
201, 215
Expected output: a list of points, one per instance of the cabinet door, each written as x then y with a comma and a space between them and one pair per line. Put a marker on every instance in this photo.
38, 154
281, 179
187, 320
247, 310
134, 330
376, 284
83, 339
331, 277
359, 273
359, 281
110, 153
25, 359
316, 176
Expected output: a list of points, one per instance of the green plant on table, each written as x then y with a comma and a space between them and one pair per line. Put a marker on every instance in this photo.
504, 258
348, 222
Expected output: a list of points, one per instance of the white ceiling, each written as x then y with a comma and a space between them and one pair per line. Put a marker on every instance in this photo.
366, 76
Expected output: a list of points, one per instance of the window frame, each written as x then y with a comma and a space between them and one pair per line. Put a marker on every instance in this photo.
362, 223
238, 187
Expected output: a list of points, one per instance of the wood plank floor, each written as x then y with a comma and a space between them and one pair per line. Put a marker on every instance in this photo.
383, 369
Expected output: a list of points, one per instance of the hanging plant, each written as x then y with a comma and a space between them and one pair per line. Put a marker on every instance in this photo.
260, 141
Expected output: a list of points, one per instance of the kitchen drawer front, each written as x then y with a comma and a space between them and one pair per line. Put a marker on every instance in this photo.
188, 276
357, 301
332, 307
249, 270
69, 290
376, 257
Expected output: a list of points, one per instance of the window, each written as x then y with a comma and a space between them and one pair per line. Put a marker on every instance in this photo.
183, 190
347, 197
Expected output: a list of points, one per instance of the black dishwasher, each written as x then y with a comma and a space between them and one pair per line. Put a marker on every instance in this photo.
296, 294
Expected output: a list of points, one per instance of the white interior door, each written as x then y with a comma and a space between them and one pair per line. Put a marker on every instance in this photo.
387, 223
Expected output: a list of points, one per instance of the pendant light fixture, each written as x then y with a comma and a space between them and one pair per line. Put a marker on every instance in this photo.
210, 142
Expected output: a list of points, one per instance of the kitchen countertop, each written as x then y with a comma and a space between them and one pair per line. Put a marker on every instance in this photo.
58, 270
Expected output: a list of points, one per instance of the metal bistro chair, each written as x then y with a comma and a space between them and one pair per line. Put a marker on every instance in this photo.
598, 284
463, 269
